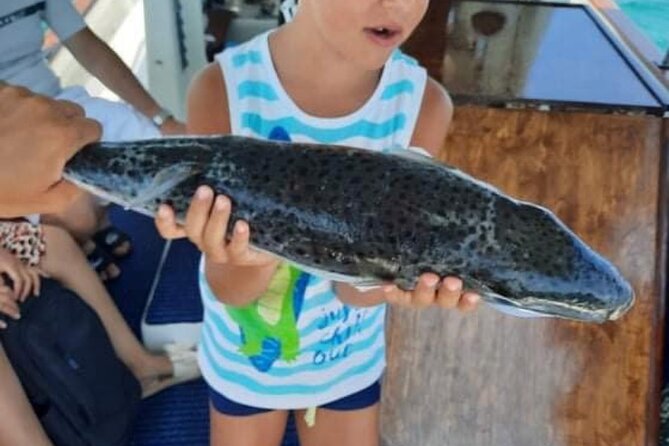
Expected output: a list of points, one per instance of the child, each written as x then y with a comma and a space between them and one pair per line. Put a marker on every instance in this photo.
277, 339
28, 251
22, 62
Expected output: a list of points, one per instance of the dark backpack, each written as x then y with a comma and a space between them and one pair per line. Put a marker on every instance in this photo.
81, 392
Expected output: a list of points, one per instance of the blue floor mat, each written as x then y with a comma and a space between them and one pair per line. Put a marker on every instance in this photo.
131, 289
178, 416
177, 295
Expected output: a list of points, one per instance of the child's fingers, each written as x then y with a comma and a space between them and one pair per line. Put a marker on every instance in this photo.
167, 225
213, 240
28, 282
9, 306
468, 302
396, 296
35, 281
13, 274
238, 248
256, 257
424, 294
449, 292
198, 214
25, 284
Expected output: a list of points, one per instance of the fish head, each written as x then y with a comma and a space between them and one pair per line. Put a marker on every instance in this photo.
548, 270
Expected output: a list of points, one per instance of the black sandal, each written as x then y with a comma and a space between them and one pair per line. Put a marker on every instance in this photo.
110, 239
100, 260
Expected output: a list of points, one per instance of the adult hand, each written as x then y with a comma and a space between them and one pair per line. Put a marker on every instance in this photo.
37, 137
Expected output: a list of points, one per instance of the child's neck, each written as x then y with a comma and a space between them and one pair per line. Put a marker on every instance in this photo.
321, 82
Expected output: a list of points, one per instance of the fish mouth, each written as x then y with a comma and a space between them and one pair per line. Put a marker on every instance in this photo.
535, 307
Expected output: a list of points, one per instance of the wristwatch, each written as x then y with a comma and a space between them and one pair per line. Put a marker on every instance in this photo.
159, 118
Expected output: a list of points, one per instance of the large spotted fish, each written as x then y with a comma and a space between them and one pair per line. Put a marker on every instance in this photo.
365, 218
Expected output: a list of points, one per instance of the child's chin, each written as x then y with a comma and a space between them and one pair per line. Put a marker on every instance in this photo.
375, 61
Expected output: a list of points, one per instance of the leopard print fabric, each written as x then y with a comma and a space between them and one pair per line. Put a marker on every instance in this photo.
24, 240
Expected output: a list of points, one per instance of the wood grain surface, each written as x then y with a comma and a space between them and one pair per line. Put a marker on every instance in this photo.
488, 379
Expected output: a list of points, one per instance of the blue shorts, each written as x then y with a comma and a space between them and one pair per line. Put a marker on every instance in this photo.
359, 400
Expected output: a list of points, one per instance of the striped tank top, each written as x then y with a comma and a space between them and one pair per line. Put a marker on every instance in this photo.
298, 346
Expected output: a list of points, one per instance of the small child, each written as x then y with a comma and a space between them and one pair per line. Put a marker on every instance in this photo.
275, 338
28, 251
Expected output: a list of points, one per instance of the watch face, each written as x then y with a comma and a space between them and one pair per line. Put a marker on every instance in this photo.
160, 117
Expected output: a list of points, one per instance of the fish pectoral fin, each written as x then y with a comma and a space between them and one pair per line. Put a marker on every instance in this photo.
165, 180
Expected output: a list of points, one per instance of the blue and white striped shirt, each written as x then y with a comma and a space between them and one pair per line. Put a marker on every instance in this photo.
299, 346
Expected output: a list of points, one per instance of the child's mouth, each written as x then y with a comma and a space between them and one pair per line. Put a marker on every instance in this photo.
382, 35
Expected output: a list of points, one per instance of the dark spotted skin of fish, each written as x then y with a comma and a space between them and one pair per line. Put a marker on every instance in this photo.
371, 215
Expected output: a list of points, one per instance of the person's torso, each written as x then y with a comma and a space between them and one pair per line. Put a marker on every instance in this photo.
298, 345
22, 25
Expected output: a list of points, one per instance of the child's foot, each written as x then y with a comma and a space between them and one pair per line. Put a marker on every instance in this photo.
176, 366
101, 261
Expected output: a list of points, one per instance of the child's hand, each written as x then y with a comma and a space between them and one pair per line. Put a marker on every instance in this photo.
206, 223
8, 305
430, 290
25, 280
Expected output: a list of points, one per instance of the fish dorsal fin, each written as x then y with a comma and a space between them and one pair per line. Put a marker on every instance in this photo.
165, 180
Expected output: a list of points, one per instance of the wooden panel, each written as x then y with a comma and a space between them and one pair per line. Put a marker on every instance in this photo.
428, 42
493, 380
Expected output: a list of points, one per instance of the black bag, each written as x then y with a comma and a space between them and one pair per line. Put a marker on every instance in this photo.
81, 392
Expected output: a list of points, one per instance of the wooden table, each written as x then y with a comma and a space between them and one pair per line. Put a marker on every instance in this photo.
550, 109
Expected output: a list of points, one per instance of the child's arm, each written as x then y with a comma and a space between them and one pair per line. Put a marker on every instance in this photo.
103, 63
236, 274
434, 119
431, 129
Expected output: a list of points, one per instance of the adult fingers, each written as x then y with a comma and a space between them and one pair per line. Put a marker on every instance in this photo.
82, 131
70, 109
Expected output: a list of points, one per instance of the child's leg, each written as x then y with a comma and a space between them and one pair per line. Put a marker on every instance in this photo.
19, 424
82, 219
263, 429
340, 427
65, 262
